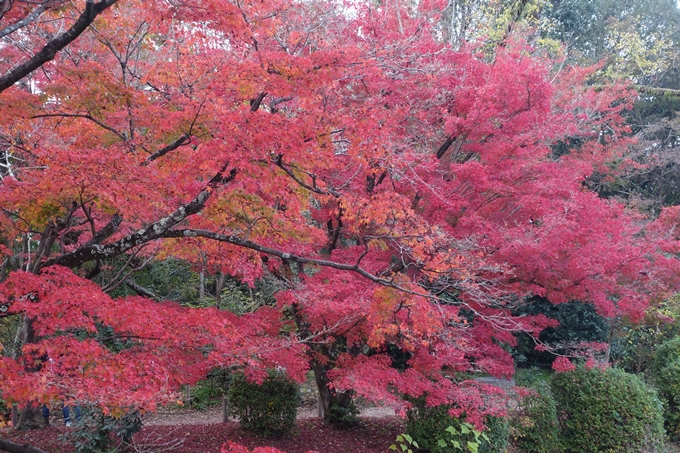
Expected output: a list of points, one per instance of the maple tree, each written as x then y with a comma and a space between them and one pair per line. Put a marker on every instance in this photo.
408, 194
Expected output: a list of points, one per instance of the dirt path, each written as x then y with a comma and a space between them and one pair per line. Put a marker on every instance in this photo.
214, 415
180, 416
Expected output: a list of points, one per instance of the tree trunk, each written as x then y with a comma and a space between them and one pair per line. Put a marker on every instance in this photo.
201, 285
31, 414
219, 284
30, 417
334, 406
11, 447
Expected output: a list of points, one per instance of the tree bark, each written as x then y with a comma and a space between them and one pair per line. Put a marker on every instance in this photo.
11, 447
201, 285
219, 284
30, 416
330, 400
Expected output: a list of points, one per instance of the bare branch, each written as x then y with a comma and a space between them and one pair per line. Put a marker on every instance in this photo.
87, 116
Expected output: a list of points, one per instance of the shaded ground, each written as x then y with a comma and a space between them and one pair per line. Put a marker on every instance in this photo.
372, 435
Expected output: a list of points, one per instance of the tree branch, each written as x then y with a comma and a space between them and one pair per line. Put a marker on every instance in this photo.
255, 103
312, 188
25, 21
153, 231
183, 140
656, 91
49, 51
87, 116
235, 240
445, 146
107, 231
141, 290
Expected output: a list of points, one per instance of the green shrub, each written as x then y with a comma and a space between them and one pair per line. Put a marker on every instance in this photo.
268, 408
607, 411
209, 392
343, 415
497, 435
429, 426
95, 432
667, 352
668, 382
666, 373
5, 413
578, 322
534, 425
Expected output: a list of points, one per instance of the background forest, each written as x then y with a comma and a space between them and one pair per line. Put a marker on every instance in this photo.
392, 199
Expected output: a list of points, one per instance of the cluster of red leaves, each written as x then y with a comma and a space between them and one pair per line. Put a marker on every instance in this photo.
231, 447
164, 346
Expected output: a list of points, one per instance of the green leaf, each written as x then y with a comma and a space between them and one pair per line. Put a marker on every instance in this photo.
415, 444
408, 438
456, 444
393, 447
464, 429
441, 442
400, 438
404, 447
452, 430
473, 446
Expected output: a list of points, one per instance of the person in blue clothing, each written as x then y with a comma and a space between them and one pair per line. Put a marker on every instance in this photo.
65, 412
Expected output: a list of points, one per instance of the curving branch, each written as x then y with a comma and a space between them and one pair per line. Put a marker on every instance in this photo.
49, 51
86, 116
156, 230
312, 188
290, 257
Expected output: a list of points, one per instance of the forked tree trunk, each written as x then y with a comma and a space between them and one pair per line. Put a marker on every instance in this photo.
329, 397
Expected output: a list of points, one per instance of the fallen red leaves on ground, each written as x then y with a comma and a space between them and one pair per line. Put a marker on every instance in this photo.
370, 436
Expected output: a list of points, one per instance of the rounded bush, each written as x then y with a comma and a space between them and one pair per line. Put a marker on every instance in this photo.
534, 427
668, 382
428, 425
667, 352
602, 411
267, 409
497, 435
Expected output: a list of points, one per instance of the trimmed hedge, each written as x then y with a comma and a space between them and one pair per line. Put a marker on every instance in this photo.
427, 425
534, 427
266, 409
607, 411
666, 373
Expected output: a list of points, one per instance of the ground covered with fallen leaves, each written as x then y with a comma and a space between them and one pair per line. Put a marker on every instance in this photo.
371, 435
